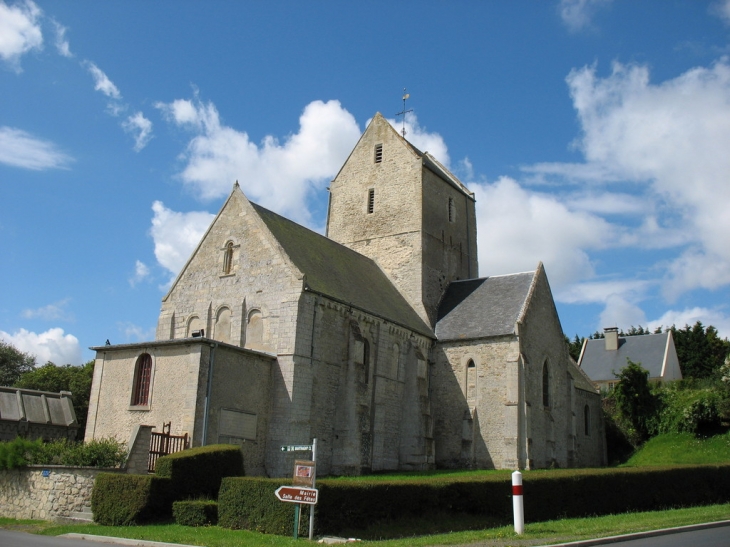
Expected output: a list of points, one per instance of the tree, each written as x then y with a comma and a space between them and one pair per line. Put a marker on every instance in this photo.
634, 400
13, 363
700, 350
575, 347
76, 379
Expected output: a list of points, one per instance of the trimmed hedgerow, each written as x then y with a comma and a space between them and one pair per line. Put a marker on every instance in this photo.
95, 453
122, 500
246, 503
197, 472
350, 505
195, 512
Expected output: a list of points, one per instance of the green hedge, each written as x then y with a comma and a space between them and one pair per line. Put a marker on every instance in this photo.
121, 500
197, 472
346, 505
250, 504
195, 512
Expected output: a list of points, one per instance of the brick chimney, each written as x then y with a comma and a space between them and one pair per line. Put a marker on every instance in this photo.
611, 336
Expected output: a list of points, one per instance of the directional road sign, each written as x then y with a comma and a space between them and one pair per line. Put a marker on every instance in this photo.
297, 494
296, 447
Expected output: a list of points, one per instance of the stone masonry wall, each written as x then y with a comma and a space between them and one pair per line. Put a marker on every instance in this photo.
364, 417
391, 234
261, 280
472, 422
46, 492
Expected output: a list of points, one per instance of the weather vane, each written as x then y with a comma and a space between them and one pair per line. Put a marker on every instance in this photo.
406, 96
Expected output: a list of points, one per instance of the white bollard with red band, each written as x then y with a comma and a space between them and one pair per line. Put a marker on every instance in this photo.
517, 506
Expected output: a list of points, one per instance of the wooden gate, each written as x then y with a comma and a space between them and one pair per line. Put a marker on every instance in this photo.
162, 444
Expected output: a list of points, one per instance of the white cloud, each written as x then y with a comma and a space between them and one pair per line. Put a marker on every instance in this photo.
578, 14
599, 292
102, 82
20, 31
419, 137
61, 43
141, 127
20, 149
620, 312
176, 235
721, 9
277, 175
141, 272
518, 228
708, 316
51, 312
670, 141
134, 332
52, 345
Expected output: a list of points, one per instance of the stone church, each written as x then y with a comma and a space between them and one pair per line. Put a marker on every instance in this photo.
378, 339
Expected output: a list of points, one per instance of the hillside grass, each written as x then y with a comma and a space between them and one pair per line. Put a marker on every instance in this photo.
682, 448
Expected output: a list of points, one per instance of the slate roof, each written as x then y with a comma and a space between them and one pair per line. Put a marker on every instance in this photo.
342, 274
648, 350
480, 308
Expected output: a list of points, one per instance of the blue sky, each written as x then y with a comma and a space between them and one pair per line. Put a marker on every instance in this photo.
594, 133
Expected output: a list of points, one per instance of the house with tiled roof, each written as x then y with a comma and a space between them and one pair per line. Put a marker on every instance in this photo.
377, 338
603, 358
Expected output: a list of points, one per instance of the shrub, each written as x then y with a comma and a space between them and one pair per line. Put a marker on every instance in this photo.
95, 453
686, 409
122, 500
250, 504
197, 472
195, 512
19, 452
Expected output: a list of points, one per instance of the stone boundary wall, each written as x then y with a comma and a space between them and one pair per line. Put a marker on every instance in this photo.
47, 492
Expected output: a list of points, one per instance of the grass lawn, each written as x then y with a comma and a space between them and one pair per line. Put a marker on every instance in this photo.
535, 533
682, 448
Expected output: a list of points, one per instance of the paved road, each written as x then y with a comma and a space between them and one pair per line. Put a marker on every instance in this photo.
22, 539
710, 537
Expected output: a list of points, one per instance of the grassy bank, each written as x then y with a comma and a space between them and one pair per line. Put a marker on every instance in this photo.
537, 533
682, 448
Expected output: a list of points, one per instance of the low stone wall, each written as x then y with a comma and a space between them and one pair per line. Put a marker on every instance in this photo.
47, 492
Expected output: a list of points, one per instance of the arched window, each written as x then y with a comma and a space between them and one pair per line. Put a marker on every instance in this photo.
545, 385
223, 326
587, 420
142, 380
228, 258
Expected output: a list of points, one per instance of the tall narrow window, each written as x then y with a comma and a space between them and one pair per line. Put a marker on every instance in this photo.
545, 385
366, 359
471, 381
452, 210
378, 153
371, 201
142, 379
228, 258
587, 420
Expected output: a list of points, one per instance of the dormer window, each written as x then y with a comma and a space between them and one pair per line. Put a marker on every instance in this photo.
378, 153
371, 201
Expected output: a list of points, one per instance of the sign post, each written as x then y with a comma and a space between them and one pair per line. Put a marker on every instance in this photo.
305, 472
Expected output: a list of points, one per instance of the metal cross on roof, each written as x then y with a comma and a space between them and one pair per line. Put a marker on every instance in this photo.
406, 96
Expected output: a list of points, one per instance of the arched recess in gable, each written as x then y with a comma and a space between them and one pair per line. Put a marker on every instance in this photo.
193, 324
222, 328
255, 330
